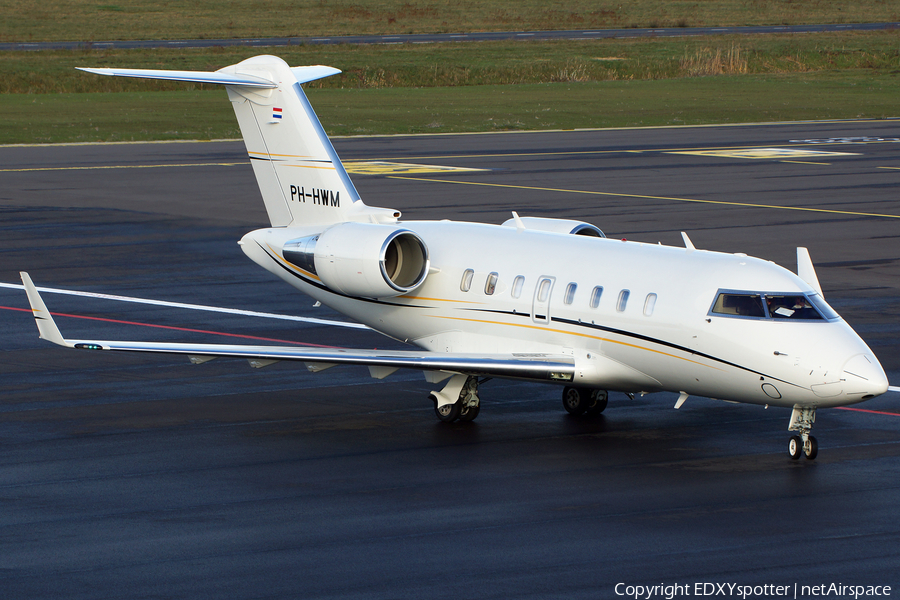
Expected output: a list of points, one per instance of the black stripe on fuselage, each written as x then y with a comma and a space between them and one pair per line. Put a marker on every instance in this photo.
592, 326
325, 288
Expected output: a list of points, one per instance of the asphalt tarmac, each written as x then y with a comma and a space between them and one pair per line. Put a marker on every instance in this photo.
436, 38
127, 476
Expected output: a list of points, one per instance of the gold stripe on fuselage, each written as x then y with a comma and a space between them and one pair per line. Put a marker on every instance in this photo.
575, 333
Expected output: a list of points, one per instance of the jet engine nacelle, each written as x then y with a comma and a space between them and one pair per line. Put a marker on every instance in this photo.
363, 259
557, 226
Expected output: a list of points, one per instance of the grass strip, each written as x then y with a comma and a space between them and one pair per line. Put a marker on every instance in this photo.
201, 114
454, 87
436, 65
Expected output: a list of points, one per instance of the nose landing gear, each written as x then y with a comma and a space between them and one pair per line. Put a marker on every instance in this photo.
802, 420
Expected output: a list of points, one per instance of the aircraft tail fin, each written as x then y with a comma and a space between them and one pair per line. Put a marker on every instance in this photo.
301, 179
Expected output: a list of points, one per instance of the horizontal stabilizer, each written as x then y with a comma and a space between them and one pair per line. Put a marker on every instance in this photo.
313, 72
514, 366
303, 75
300, 176
192, 76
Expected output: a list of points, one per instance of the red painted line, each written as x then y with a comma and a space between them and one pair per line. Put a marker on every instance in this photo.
13, 308
874, 412
235, 335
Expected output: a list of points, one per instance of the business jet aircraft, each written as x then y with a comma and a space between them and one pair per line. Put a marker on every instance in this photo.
535, 299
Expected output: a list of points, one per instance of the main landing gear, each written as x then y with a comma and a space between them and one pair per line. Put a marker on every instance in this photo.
580, 401
802, 420
464, 388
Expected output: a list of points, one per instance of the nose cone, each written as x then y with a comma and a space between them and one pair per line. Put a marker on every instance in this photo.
864, 378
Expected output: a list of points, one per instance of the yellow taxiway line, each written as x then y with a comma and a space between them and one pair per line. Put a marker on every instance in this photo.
645, 197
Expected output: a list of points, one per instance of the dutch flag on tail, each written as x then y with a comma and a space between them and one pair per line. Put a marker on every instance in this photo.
276, 113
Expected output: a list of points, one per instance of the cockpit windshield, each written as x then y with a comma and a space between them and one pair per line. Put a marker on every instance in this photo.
790, 307
739, 305
759, 305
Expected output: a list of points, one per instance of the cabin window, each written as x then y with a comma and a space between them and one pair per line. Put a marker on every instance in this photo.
595, 296
466, 283
491, 284
570, 293
517, 285
623, 300
649, 304
544, 290
739, 305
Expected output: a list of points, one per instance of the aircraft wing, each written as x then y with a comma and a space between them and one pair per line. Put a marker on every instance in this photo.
533, 366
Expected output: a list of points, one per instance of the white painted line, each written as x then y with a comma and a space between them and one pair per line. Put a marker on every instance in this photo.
765, 153
232, 311
893, 388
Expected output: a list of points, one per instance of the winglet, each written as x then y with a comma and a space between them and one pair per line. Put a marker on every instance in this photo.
806, 271
46, 326
687, 241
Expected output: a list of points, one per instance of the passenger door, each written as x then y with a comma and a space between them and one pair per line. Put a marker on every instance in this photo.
540, 309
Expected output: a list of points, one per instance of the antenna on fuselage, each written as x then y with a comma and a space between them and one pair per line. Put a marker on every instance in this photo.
520, 226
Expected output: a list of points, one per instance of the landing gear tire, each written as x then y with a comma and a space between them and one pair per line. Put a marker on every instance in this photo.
576, 400
447, 413
463, 389
795, 447
598, 401
811, 448
469, 413
802, 419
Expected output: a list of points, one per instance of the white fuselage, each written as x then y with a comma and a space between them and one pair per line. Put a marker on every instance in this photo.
663, 338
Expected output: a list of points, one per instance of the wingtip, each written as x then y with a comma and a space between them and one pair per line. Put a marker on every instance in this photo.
46, 325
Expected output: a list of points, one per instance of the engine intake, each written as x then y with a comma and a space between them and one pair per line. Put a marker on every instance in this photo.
362, 259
